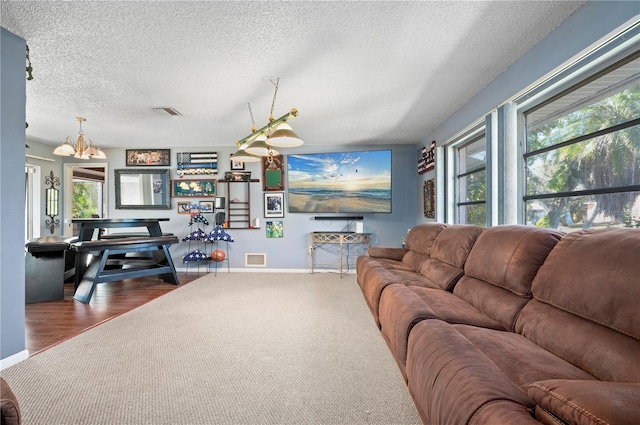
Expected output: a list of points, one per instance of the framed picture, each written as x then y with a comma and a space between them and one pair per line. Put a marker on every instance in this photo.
272, 173
426, 158
237, 165
275, 229
197, 163
148, 157
190, 188
274, 204
184, 208
206, 206
429, 199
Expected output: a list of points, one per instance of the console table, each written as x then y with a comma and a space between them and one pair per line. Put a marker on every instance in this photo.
340, 238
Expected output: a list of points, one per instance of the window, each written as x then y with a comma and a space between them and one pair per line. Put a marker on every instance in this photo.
582, 157
472, 182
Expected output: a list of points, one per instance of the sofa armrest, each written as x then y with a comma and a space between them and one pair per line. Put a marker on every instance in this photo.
9, 408
390, 253
588, 402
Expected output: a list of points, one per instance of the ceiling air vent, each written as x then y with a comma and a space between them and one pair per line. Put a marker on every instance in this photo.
167, 111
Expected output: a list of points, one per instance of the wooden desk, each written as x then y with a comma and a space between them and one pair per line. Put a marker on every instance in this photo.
88, 275
341, 238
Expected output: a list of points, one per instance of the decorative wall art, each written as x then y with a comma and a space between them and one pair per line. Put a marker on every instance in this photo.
275, 229
273, 204
148, 157
184, 207
192, 188
427, 158
237, 176
272, 172
237, 165
429, 199
197, 163
206, 206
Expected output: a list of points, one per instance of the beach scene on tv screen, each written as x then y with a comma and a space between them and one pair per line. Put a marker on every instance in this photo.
340, 182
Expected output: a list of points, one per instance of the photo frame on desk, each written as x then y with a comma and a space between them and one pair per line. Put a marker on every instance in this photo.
274, 204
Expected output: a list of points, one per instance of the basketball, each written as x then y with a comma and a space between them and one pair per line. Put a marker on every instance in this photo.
218, 255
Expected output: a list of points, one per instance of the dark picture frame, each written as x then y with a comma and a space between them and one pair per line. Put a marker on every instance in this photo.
236, 165
148, 157
272, 173
188, 188
429, 198
208, 205
184, 208
274, 204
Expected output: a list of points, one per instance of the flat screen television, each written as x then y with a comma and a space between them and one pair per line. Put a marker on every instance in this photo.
340, 182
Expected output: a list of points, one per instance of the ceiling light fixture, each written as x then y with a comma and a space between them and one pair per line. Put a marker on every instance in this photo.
277, 133
79, 149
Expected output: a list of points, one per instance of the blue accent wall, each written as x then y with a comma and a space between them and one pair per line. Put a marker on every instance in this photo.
12, 193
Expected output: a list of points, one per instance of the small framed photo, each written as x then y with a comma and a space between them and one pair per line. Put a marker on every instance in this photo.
274, 204
184, 207
237, 165
148, 157
275, 229
206, 206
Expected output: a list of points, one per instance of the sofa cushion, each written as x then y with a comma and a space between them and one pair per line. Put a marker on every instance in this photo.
509, 256
500, 268
520, 359
448, 255
569, 290
421, 237
453, 244
588, 402
401, 307
452, 381
572, 279
378, 279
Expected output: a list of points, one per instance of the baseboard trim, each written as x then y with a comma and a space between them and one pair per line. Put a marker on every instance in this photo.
14, 359
223, 270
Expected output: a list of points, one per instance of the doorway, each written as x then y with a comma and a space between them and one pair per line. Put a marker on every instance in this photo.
85, 193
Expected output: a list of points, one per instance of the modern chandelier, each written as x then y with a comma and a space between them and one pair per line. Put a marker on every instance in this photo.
79, 149
263, 142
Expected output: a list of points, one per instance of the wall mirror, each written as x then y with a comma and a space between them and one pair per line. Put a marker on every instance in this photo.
147, 189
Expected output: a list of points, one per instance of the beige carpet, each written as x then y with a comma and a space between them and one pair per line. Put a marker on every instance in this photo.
239, 348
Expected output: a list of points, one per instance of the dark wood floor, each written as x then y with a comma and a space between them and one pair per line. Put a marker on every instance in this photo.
51, 322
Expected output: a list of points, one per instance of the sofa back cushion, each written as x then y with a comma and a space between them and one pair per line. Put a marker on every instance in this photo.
586, 306
421, 237
500, 268
448, 255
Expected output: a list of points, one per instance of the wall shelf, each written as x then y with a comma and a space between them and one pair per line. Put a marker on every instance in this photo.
238, 213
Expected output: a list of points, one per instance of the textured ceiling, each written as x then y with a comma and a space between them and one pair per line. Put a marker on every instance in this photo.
358, 72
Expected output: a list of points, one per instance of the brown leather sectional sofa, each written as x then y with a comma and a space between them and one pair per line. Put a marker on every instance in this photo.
512, 324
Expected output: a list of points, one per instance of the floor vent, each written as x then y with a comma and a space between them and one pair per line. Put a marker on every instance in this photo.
255, 260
